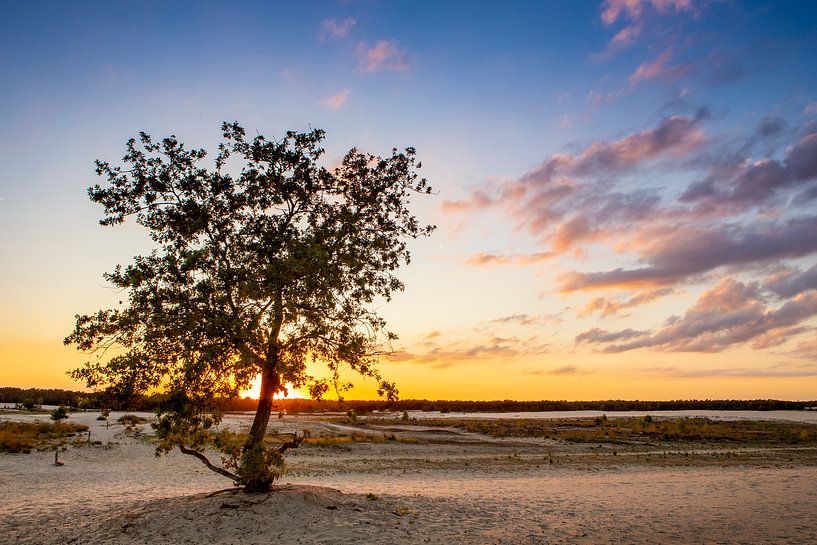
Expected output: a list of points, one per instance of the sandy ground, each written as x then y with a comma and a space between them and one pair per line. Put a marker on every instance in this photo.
449, 487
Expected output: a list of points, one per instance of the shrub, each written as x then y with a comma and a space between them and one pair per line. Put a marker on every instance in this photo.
131, 420
260, 466
59, 414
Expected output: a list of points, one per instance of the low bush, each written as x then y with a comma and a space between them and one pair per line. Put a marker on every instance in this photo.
131, 420
28, 436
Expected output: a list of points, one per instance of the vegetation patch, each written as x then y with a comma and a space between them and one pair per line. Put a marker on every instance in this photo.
28, 436
131, 420
640, 430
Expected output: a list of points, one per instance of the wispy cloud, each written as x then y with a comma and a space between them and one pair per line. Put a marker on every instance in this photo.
606, 306
634, 10
336, 102
791, 282
806, 350
332, 28
460, 352
730, 313
569, 198
659, 68
753, 183
522, 319
597, 335
678, 254
742, 372
634, 15
563, 370
482, 259
385, 55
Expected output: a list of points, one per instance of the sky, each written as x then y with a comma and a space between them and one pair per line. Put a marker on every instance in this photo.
625, 191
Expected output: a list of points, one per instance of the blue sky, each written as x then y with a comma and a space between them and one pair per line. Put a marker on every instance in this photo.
678, 132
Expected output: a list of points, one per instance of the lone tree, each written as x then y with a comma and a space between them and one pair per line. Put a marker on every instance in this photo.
261, 262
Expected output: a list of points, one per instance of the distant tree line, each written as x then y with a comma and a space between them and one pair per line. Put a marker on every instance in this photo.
77, 399
362, 407
39, 396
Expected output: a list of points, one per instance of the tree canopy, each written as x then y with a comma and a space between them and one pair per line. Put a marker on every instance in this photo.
261, 262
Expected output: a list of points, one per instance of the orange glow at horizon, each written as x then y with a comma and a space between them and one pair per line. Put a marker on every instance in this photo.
254, 391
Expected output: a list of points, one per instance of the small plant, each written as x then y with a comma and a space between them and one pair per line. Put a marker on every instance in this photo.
351, 416
372, 497
131, 420
644, 422
405, 416
59, 414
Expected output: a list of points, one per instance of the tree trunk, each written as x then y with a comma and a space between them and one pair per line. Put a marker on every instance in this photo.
254, 472
270, 380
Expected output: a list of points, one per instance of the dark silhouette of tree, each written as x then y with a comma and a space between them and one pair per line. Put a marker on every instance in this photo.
261, 262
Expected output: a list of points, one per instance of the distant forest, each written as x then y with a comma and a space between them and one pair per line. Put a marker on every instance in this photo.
148, 403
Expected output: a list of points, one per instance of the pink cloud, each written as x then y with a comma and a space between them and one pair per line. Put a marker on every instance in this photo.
658, 69
806, 350
597, 335
635, 13
336, 102
383, 55
612, 10
675, 135
458, 352
684, 252
478, 199
626, 36
611, 307
728, 314
482, 259
571, 198
336, 29
561, 202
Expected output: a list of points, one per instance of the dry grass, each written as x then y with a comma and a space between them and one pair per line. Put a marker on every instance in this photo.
232, 439
25, 437
639, 430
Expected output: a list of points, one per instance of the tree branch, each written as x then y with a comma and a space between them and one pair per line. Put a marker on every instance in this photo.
297, 439
210, 466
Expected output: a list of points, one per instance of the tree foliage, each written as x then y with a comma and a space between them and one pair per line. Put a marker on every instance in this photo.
262, 262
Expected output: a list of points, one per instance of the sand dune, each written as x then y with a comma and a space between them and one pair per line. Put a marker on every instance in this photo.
399, 492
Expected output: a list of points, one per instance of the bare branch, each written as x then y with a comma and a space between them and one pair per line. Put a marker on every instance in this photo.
210, 466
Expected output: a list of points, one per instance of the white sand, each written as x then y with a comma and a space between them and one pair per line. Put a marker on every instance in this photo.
120, 493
